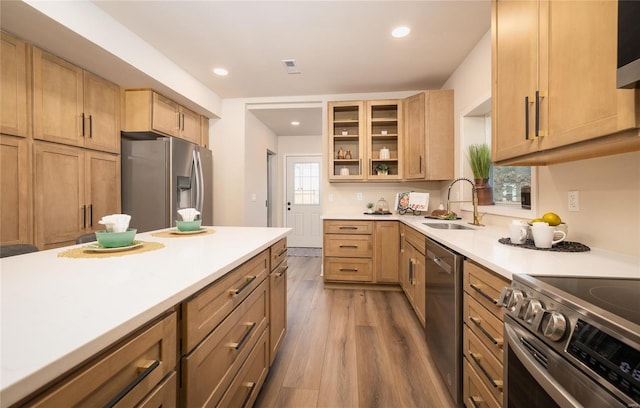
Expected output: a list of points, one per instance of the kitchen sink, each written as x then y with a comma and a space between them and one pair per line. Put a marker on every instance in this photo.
447, 225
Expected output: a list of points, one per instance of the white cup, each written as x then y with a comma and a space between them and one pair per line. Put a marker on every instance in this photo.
518, 233
543, 235
344, 171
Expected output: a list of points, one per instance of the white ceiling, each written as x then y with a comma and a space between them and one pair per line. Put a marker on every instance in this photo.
339, 46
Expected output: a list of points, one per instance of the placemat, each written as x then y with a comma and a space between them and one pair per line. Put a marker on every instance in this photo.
147, 246
168, 234
562, 246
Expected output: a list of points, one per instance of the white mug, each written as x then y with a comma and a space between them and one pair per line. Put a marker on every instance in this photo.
344, 171
518, 233
543, 235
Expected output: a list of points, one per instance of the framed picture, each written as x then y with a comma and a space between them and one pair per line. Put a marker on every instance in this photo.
411, 201
402, 201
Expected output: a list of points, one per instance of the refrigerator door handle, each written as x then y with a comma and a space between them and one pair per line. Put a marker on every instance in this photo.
196, 171
201, 186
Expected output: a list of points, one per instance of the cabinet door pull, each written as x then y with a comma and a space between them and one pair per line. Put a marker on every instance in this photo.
90, 126
477, 289
84, 216
420, 168
279, 274
91, 215
348, 228
476, 401
537, 121
82, 124
250, 386
476, 321
143, 371
526, 118
349, 246
235, 292
495, 383
348, 270
411, 271
236, 346
284, 251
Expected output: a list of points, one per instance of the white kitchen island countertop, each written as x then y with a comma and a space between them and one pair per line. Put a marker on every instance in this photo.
57, 312
482, 246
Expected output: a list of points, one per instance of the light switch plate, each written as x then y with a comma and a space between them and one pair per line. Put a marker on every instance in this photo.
574, 201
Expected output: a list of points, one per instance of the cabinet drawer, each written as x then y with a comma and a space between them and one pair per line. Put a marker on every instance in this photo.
203, 312
210, 368
416, 239
245, 387
480, 358
140, 362
351, 246
164, 395
474, 392
347, 269
348, 227
485, 325
278, 253
484, 286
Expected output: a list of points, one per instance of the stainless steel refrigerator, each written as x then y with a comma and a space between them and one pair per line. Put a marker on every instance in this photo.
163, 175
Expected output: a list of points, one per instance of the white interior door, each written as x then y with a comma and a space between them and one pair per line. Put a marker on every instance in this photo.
303, 201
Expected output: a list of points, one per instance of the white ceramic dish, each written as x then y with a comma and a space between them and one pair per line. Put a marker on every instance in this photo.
95, 247
178, 232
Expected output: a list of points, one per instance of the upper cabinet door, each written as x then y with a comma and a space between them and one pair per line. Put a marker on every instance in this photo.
165, 114
346, 141
13, 87
189, 125
102, 114
384, 140
57, 100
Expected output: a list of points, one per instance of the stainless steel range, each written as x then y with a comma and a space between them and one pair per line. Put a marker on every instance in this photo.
572, 342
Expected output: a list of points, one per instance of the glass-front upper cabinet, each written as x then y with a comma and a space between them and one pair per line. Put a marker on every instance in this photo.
347, 154
384, 135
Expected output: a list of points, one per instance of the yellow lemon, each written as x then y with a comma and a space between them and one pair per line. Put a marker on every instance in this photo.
552, 219
536, 220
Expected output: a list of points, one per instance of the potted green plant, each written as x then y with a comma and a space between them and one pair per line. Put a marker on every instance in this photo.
370, 208
382, 169
480, 161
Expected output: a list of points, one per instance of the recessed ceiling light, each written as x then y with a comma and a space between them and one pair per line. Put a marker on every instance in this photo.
220, 71
295, 123
400, 32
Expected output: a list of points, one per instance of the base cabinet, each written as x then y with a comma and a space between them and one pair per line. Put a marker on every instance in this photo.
412, 269
277, 297
482, 336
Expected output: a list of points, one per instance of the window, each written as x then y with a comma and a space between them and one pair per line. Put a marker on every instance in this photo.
306, 183
507, 183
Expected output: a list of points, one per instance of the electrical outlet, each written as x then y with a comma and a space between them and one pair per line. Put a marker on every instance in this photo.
574, 201
330, 198
359, 196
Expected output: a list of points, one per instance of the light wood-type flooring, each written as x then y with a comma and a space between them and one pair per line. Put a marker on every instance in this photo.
350, 348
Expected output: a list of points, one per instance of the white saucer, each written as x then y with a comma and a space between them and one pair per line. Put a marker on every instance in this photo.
178, 232
95, 247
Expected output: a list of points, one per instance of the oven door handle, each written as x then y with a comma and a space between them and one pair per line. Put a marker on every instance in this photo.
552, 387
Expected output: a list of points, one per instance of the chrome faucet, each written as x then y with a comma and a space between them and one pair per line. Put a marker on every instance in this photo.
476, 217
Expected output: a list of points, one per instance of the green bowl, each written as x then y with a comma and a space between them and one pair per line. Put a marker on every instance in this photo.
188, 225
116, 239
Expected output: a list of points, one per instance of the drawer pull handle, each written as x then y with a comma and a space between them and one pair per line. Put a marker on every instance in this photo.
235, 292
495, 383
476, 321
347, 228
477, 289
143, 371
348, 270
284, 251
236, 346
476, 401
250, 386
349, 246
279, 274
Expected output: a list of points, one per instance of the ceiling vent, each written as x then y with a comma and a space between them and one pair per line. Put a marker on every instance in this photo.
290, 66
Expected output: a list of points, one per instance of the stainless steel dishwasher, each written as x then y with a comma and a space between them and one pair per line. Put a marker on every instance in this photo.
443, 281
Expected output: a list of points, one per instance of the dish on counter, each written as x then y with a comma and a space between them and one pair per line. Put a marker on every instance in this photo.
178, 232
96, 247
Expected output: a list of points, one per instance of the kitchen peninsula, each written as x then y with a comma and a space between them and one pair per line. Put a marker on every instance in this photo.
60, 315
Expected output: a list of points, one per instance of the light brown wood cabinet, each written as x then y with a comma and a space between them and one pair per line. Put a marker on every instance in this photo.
72, 106
384, 131
429, 136
15, 200
348, 250
386, 251
412, 269
148, 111
554, 95
139, 370
73, 189
277, 297
226, 347
13, 87
482, 336
204, 131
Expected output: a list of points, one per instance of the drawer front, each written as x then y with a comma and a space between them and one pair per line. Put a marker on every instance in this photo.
348, 227
244, 389
349, 246
204, 311
164, 395
484, 286
416, 239
486, 365
141, 362
210, 368
349, 270
278, 253
475, 393
485, 325
277, 309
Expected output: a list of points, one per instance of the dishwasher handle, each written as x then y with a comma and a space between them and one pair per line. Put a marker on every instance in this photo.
440, 262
